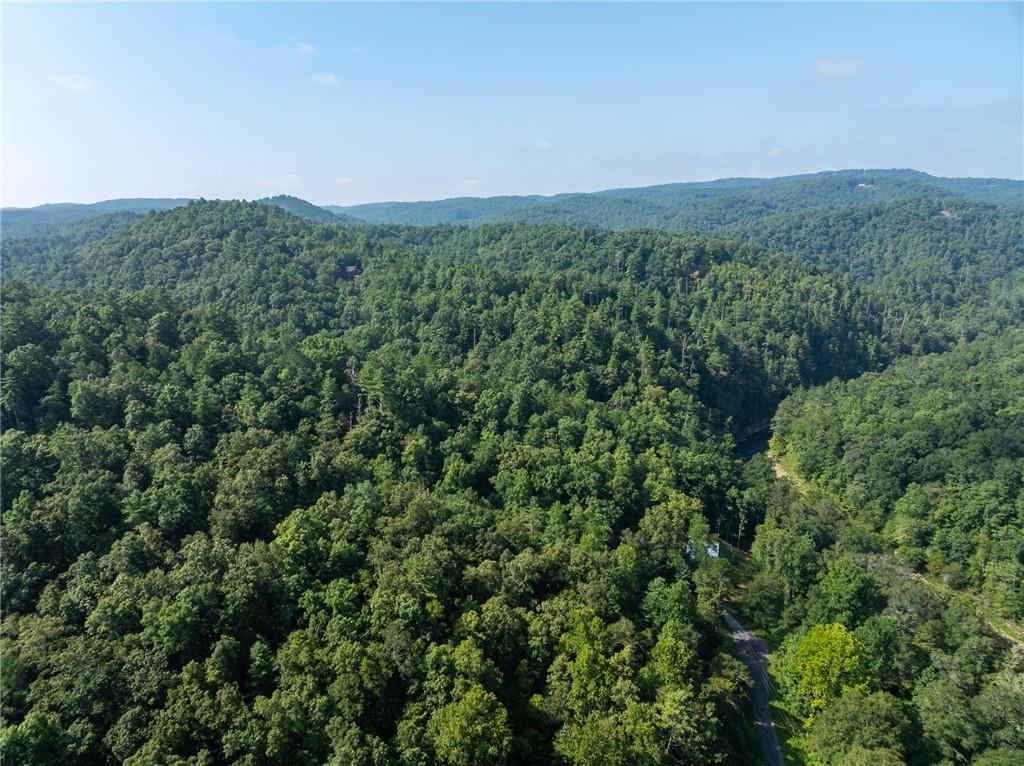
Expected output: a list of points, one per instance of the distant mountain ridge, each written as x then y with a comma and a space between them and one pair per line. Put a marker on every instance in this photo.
701, 206
27, 221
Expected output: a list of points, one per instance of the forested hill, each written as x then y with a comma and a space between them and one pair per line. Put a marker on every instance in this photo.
960, 263
277, 491
261, 512
58, 219
744, 326
703, 207
931, 453
304, 209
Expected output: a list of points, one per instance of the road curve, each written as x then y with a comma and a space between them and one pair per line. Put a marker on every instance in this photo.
754, 653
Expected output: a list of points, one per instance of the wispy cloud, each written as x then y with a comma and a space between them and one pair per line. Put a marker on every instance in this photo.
283, 182
543, 144
79, 83
472, 183
777, 152
343, 182
297, 48
837, 68
325, 78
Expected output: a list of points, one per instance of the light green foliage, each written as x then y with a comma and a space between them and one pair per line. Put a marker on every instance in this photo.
820, 666
471, 731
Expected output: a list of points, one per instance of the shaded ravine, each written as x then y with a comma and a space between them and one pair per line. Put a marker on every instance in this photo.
754, 654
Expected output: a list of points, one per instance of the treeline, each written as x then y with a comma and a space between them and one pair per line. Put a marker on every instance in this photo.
705, 206
46, 219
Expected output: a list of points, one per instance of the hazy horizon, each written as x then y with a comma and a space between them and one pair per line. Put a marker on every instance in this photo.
494, 196
351, 104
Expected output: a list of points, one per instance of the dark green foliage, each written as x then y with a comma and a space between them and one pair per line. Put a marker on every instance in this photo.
876, 722
436, 514
736, 327
955, 266
285, 492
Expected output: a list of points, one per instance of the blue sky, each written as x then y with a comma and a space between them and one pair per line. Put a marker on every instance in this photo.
357, 103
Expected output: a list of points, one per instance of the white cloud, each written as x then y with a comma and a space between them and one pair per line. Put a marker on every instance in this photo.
355, 50
284, 182
832, 68
472, 182
304, 49
79, 83
343, 181
325, 78
776, 152
542, 144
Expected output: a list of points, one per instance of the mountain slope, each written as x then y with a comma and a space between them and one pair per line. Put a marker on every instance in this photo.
740, 315
25, 222
452, 506
21, 222
931, 453
702, 206
956, 262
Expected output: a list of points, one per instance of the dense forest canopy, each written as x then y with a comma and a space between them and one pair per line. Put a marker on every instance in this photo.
958, 262
703, 207
727, 315
931, 454
916, 485
281, 490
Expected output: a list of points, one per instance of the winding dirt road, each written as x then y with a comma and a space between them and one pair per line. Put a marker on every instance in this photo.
754, 654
